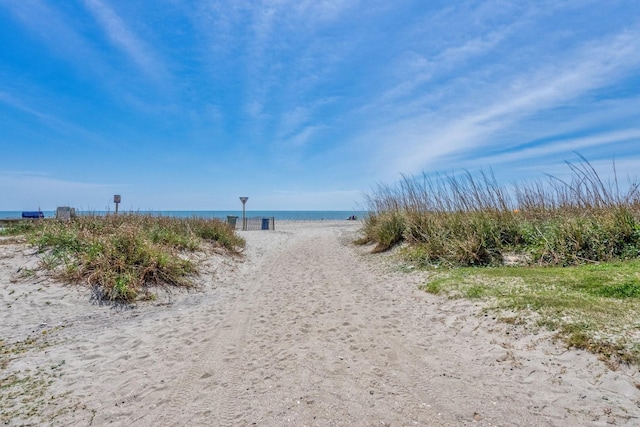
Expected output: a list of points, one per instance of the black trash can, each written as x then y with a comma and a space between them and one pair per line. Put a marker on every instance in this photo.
232, 220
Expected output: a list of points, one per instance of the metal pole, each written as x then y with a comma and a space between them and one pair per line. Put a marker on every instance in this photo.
116, 200
244, 218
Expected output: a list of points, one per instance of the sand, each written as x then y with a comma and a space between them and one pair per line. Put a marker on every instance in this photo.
305, 330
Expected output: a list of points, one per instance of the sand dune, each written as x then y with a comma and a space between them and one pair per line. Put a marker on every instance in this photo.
305, 330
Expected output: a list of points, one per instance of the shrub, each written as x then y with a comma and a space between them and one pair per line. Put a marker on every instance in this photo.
121, 256
472, 221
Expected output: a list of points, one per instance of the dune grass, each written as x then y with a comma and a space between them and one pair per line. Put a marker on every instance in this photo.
576, 244
468, 220
122, 256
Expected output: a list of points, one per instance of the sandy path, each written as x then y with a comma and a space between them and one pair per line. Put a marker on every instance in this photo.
308, 330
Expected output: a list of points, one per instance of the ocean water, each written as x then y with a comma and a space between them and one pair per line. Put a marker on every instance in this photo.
278, 215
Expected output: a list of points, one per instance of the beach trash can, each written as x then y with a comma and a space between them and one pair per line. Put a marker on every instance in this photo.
265, 223
65, 213
232, 220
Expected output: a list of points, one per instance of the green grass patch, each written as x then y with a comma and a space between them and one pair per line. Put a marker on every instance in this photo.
593, 307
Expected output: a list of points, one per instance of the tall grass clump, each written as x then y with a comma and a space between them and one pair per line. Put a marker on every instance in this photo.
577, 241
121, 256
385, 229
471, 220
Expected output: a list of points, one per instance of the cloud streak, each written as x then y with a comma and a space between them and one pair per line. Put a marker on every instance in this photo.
54, 29
125, 39
50, 121
597, 65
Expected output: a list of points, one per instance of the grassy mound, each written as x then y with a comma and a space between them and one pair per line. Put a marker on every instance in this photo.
121, 256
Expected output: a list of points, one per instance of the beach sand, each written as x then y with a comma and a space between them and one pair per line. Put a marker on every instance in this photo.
304, 330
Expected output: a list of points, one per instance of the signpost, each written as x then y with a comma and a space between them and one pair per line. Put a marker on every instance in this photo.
116, 200
244, 218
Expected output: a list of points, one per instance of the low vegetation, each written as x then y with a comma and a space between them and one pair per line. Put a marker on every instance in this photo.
121, 256
593, 307
25, 391
471, 220
575, 244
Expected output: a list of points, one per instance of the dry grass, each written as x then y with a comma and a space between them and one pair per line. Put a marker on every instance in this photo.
122, 256
470, 220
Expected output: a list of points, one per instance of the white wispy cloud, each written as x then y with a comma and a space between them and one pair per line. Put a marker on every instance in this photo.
16, 103
594, 66
55, 30
301, 116
287, 53
303, 136
64, 36
125, 39
565, 145
21, 103
419, 69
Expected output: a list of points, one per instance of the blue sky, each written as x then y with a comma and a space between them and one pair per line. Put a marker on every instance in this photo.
305, 104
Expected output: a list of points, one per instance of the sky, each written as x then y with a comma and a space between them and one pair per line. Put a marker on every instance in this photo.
305, 104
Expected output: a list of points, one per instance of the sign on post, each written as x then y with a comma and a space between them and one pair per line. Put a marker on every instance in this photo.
244, 218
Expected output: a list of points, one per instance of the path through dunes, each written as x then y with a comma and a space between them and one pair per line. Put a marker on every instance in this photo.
309, 330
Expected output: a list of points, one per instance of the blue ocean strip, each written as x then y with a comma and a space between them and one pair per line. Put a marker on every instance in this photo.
278, 215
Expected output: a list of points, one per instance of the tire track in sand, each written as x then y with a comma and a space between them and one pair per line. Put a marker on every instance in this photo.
209, 388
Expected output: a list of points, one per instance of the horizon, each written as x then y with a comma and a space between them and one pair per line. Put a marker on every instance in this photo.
127, 211
306, 106
303, 215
